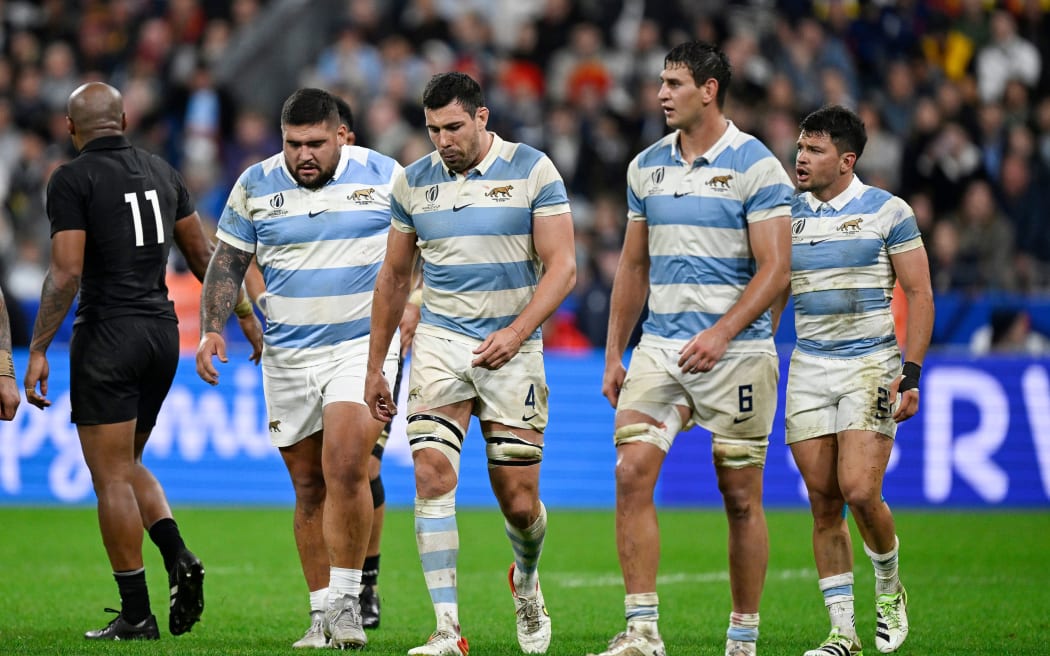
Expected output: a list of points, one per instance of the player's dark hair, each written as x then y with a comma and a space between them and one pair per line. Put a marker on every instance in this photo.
704, 61
446, 88
310, 106
346, 115
844, 128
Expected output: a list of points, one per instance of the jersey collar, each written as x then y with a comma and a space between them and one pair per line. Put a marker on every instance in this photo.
107, 143
714, 151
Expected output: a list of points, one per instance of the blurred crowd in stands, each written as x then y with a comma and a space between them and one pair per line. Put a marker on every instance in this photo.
955, 95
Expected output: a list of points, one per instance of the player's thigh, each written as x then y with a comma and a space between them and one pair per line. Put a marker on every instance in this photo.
515, 395
818, 462
158, 375
737, 399
865, 404
811, 403
293, 403
440, 374
863, 456
302, 459
122, 369
350, 431
654, 405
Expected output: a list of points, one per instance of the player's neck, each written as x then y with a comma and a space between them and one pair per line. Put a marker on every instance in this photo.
698, 138
833, 190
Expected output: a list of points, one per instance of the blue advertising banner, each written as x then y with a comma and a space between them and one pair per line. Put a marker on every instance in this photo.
981, 439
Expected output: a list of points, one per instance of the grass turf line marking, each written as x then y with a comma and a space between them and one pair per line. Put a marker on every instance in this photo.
577, 580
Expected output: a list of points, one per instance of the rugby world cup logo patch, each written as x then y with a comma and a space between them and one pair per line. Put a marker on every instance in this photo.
657, 178
276, 203
431, 196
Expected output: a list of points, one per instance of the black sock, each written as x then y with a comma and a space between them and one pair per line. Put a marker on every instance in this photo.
165, 534
134, 597
370, 572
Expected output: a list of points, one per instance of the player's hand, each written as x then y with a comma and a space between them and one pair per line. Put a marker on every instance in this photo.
612, 381
907, 403
9, 398
212, 344
497, 349
703, 351
252, 329
409, 321
37, 373
377, 397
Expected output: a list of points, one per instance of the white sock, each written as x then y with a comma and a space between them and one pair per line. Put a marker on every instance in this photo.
743, 627
642, 611
319, 600
343, 581
838, 597
887, 580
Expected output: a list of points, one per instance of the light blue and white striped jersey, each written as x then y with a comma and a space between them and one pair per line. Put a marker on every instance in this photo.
841, 276
698, 215
319, 250
474, 232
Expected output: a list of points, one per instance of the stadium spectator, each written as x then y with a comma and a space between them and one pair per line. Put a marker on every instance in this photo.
706, 355
477, 350
1006, 57
986, 237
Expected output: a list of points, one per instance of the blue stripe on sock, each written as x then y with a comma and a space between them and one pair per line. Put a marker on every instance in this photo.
435, 524
443, 595
742, 634
642, 612
443, 559
838, 591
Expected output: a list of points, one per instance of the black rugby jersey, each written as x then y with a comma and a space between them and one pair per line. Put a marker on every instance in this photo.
127, 201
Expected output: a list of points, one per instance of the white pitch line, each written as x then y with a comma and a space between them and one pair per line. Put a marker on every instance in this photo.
577, 580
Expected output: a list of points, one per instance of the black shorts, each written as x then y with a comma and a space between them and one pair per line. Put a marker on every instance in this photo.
121, 369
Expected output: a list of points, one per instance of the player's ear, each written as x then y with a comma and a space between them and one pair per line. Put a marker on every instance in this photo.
123, 121
71, 127
351, 138
848, 161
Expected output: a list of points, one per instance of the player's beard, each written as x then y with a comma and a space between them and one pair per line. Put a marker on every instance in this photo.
318, 181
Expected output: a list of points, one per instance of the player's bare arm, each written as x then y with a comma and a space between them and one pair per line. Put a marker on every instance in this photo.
913, 271
771, 245
776, 310
393, 285
9, 398
60, 289
222, 287
554, 242
197, 248
630, 289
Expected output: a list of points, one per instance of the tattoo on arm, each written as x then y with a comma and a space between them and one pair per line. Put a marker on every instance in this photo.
5, 326
222, 286
55, 302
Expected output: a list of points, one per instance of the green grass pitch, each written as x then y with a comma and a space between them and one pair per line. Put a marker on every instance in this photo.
979, 583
